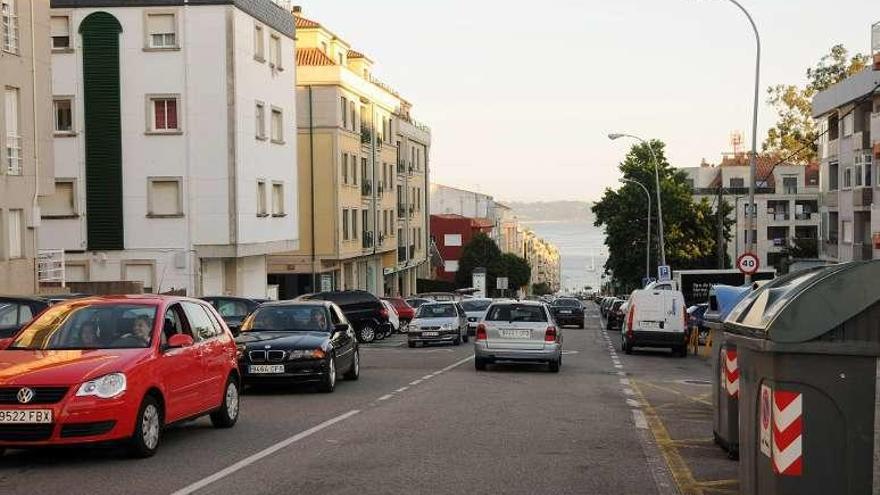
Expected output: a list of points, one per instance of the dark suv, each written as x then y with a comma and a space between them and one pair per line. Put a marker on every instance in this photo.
364, 310
568, 311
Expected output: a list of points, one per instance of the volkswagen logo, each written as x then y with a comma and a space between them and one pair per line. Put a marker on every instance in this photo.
25, 395
267, 347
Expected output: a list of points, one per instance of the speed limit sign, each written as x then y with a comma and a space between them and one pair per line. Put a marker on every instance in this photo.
748, 263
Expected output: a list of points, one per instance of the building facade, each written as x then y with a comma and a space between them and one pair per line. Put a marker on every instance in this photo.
364, 167
451, 233
848, 117
26, 161
176, 177
544, 259
786, 203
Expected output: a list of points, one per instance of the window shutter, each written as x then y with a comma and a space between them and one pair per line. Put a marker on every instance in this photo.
140, 273
165, 198
60, 26
14, 233
161, 23
60, 203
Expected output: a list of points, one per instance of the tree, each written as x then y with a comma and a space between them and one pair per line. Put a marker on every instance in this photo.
481, 251
541, 289
690, 228
794, 128
516, 269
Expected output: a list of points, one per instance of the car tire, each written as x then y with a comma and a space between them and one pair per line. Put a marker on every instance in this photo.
555, 365
367, 333
144, 442
627, 347
682, 351
582, 325
457, 340
227, 415
328, 381
355, 371
465, 338
411, 345
380, 336
480, 364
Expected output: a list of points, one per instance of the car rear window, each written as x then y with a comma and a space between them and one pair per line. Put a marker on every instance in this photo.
436, 311
516, 312
475, 305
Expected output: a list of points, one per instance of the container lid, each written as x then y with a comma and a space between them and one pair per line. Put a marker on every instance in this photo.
804, 305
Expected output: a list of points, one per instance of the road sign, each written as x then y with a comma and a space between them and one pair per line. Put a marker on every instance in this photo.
748, 263
501, 283
664, 273
326, 282
479, 282
766, 414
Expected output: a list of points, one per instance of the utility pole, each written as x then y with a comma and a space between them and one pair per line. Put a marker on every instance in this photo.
720, 241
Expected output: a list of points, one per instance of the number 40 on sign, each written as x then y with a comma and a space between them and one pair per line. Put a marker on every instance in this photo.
747, 263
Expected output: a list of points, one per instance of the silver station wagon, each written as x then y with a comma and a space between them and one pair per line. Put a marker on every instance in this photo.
438, 322
518, 331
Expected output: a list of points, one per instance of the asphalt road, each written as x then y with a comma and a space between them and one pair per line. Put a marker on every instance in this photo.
418, 421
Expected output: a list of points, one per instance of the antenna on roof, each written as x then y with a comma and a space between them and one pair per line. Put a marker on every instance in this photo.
736, 141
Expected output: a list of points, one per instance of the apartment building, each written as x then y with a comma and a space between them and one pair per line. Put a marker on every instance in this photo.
848, 117
26, 162
544, 259
451, 232
363, 161
786, 208
173, 132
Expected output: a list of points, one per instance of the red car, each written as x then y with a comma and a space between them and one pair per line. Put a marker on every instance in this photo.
404, 311
119, 369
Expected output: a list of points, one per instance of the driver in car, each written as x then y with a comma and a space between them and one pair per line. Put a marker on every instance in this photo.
319, 320
140, 332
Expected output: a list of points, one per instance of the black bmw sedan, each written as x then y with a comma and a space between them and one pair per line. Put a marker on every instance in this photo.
293, 342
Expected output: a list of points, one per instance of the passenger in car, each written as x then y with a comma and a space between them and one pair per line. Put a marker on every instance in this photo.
319, 320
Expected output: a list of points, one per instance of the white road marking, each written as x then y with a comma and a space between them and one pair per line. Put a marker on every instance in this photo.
457, 363
427, 377
624, 381
628, 391
402, 389
639, 419
247, 461
633, 403
385, 397
618, 366
415, 382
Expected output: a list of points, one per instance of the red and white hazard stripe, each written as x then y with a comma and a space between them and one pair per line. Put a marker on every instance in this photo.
787, 433
731, 372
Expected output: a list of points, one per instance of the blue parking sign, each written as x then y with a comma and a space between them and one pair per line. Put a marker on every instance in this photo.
664, 273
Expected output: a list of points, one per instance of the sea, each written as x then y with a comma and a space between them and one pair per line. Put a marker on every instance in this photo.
581, 248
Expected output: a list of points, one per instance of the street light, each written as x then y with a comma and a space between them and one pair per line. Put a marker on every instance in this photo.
614, 136
648, 237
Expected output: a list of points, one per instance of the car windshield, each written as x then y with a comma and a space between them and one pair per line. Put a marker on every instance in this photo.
568, 303
516, 312
90, 326
306, 318
475, 305
12, 314
436, 311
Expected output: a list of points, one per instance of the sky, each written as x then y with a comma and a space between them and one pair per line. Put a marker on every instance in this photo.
520, 96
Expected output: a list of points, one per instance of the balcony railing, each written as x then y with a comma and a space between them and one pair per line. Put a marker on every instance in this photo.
803, 216
366, 188
13, 154
366, 134
367, 240
380, 189
381, 239
50, 266
863, 196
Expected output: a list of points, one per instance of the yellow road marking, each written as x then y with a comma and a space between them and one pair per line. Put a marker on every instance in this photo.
676, 392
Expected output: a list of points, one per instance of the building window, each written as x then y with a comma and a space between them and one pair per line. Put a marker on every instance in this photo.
833, 171
277, 126
364, 176
161, 31
345, 236
354, 223
259, 43
847, 227
847, 178
164, 197
13, 138
343, 104
261, 199
277, 199
365, 221
354, 173
62, 203
139, 272
789, 185
63, 111
8, 26
452, 240
60, 32
847, 124
14, 233
736, 182
384, 221
352, 113
345, 168
450, 266
858, 174
260, 120
164, 114
275, 52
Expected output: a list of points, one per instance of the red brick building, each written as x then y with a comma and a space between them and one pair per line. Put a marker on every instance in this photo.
450, 234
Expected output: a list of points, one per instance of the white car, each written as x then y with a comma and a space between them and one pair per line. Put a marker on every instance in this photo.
393, 318
475, 309
655, 318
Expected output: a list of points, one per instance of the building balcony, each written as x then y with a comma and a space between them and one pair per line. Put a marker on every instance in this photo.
366, 134
366, 188
401, 166
829, 149
829, 199
804, 216
367, 240
862, 196
381, 240
401, 254
401, 211
861, 141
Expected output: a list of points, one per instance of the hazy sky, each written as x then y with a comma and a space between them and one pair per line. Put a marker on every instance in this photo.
520, 95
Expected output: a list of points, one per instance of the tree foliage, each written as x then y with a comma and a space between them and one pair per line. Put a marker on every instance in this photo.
690, 228
794, 128
516, 269
482, 252
542, 289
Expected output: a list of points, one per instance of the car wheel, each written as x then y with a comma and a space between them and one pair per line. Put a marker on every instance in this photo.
367, 333
227, 415
555, 365
147, 429
582, 325
627, 347
355, 372
380, 336
465, 338
412, 345
457, 340
682, 351
328, 381
480, 364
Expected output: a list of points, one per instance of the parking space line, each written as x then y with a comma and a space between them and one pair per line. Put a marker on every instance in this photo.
697, 399
401, 389
385, 397
639, 419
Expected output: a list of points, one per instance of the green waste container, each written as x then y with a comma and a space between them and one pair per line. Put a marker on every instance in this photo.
808, 345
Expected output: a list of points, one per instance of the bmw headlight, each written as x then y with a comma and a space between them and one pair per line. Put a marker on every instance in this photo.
105, 387
306, 354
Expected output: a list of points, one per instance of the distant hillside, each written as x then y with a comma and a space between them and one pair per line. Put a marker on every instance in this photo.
544, 211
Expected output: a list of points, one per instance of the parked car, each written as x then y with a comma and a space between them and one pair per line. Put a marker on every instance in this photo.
117, 368
440, 296
364, 311
298, 342
415, 302
568, 311
696, 321
614, 318
393, 318
518, 331
233, 309
405, 312
438, 322
606, 304
656, 318
15, 312
475, 310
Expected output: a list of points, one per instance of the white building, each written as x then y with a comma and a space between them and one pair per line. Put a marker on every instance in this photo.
174, 142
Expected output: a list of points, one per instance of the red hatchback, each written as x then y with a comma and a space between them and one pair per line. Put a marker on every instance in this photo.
404, 311
117, 368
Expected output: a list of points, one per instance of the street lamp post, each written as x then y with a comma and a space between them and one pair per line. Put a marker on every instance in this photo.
614, 136
648, 237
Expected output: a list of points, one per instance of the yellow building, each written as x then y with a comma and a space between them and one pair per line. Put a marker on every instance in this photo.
363, 171
544, 260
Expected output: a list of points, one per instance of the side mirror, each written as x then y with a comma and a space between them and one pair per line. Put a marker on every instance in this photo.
4, 343
179, 340
340, 327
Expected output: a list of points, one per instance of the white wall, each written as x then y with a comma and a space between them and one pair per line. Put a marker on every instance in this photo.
449, 200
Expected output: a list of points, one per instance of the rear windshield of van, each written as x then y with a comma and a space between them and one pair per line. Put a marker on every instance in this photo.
516, 312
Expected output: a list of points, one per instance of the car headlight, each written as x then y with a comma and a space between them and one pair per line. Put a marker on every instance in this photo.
306, 354
413, 327
105, 387
446, 326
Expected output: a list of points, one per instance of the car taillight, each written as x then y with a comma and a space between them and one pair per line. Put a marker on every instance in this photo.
550, 335
383, 312
629, 321
481, 332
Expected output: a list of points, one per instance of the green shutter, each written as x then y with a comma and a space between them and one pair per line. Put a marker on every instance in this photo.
103, 134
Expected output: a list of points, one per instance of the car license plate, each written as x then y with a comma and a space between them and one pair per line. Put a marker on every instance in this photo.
516, 334
651, 325
565, 312
430, 334
266, 369
25, 416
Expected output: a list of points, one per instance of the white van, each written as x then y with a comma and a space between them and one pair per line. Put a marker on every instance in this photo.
655, 318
